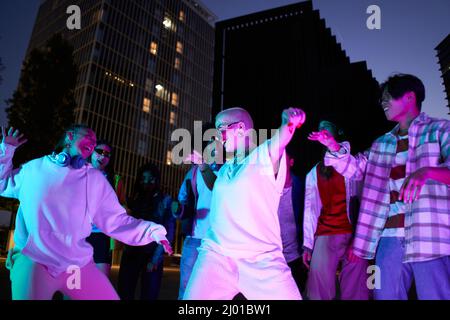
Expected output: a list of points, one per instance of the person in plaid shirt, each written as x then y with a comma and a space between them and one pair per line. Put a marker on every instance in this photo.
404, 220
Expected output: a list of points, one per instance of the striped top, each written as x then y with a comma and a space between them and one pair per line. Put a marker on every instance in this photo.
396, 179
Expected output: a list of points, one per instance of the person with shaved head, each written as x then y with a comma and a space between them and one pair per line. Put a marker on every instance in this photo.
242, 251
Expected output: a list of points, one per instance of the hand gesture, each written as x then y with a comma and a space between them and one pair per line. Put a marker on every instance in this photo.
167, 247
293, 117
351, 256
412, 186
13, 137
325, 138
307, 256
195, 157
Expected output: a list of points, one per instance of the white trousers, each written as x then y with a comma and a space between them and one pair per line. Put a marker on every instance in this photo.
217, 277
32, 281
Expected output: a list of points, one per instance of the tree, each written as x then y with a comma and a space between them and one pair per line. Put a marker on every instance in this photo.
43, 104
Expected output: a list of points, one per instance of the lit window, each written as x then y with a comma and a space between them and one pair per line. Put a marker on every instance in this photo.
146, 105
173, 117
169, 157
175, 99
153, 48
177, 63
168, 24
182, 17
179, 47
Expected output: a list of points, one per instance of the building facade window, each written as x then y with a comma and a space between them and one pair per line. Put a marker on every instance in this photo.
168, 24
148, 85
153, 48
146, 105
179, 47
169, 157
173, 117
177, 64
174, 100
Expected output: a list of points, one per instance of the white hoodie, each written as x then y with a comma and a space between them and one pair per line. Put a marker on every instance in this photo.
57, 208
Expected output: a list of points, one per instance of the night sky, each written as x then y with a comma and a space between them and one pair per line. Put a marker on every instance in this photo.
410, 30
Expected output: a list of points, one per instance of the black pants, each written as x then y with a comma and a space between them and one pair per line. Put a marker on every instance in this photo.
134, 265
299, 273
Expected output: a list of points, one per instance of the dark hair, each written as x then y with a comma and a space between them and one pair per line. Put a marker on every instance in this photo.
109, 170
327, 171
137, 188
73, 128
399, 84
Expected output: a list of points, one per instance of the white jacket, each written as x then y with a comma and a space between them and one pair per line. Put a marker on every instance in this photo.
57, 208
313, 205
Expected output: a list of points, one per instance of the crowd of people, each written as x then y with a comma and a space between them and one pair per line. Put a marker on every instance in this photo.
252, 229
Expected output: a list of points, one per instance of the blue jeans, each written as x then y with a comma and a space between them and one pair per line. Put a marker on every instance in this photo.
188, 258
432, 278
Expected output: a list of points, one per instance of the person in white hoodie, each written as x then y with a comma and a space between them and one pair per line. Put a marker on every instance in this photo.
60, 196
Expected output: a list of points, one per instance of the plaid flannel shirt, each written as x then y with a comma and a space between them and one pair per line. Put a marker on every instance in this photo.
427, 220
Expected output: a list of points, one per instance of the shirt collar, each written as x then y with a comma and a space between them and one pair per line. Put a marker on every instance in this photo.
422, 117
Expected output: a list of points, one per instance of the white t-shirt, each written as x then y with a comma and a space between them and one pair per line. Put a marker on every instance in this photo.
244, 206
201, 221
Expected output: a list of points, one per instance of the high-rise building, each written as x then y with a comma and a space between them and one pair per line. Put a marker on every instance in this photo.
443, 54
145, 69
286, 56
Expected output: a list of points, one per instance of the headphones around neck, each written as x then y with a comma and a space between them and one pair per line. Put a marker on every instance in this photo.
63, 159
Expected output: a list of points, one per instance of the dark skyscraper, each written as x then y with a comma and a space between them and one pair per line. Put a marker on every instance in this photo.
145, 69
443, 54
286, 56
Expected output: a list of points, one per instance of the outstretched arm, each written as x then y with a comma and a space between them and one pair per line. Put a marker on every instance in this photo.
113, 220
291, 119
338, 156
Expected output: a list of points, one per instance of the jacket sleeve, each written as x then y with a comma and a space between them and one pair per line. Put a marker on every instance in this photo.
351, 167
10, 180
112, 219
186, 197
313, 206
444, 138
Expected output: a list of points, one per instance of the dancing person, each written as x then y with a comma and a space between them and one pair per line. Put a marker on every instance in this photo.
102, 160
195, 199
328, 232
242, 251
149, 203
60, 197
290, 213
404, 220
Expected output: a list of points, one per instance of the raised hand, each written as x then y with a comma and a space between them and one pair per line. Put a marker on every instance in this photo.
13, 137
195, 157
293, 117
412, 186
325, 138
167, 247
306, 257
